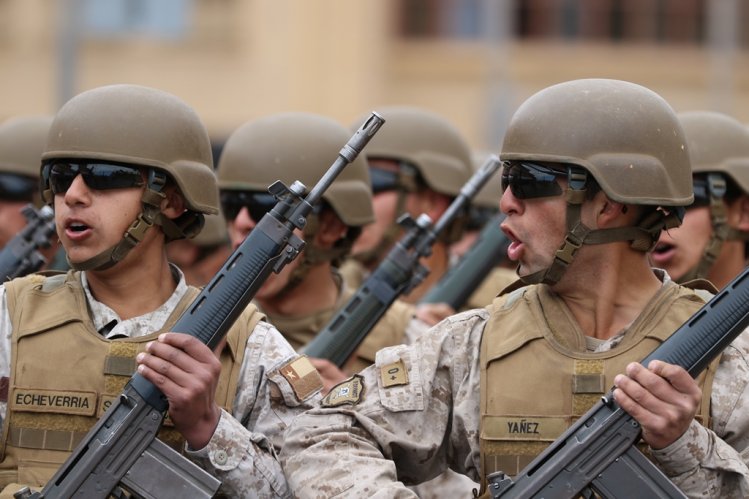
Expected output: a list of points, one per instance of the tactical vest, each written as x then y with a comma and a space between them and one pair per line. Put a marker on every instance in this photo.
537, 378
64, 374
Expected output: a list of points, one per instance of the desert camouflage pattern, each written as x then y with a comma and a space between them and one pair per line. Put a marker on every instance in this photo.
418, 414
243, 450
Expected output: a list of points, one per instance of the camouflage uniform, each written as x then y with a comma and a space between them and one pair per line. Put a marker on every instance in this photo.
242, 450
375, 433
390, 330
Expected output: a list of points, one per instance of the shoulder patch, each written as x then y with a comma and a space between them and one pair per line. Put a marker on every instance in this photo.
345, 392
302, 376
394, 374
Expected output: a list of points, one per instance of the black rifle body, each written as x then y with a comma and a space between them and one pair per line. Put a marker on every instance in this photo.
122, 446
21, 255
598, 452
457, 285
398, 274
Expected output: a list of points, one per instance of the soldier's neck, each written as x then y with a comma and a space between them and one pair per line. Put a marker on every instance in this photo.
318, 291
605, 295
728, 265
134, 286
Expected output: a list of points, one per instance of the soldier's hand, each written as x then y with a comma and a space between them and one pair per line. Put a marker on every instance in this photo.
187, 372
663, 398
432, 313
329, 373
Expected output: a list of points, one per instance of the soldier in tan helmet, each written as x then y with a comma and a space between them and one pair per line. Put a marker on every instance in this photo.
202, 256
303, 297
128, 168
711, 243
22, 140
418, 163
593, 171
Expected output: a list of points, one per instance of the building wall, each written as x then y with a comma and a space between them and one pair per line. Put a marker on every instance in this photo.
238, 59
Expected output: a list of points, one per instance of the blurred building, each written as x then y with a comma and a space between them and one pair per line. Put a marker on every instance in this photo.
473, 61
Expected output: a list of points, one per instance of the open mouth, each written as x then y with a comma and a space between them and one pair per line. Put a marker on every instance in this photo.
663, 248
77, 227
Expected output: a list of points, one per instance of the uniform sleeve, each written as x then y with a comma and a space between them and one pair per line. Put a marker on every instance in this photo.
714, 461
6, 328
275, 386
402, 421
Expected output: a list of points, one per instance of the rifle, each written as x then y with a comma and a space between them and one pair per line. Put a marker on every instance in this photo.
598, 452
456, 286
21, 255
397, 274
121, 450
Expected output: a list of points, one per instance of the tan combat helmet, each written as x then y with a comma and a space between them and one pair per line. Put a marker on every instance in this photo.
626, 137
144, 127
299, 146
22, 141
719, 151
429, 150
296, 146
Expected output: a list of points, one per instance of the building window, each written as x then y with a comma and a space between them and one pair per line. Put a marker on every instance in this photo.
658, 21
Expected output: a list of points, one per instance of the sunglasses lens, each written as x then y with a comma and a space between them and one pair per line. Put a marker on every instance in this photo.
17, 187
106, 176
383, 180
61, 175
530, 180
257, 203
100, 176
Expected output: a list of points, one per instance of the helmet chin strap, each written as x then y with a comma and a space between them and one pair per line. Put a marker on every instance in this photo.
721, 231
641, 237
149, 215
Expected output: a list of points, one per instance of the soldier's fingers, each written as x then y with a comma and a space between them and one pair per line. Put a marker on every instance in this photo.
189, 344
668, 383
162, 381
677, 377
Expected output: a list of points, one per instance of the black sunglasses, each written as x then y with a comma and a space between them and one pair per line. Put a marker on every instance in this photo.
257, 203
383, 180
529, 180
59, 175
14, 187
701, 194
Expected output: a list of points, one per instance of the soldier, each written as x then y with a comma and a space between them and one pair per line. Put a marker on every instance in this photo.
594, 170
202, 256
711, 243
418, 163
21, 144
301, 299
128, 168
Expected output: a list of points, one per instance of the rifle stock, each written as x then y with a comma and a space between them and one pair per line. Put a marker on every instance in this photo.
124, 436
457, 285
597, 452
398, 274
21, 255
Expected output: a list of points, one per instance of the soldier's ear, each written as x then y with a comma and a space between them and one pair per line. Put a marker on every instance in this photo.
330, 230
173, 204
612, 213
742, 205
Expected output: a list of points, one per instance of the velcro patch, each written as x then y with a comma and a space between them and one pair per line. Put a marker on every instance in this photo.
394, 374
302, 376
61, 402
345, 392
